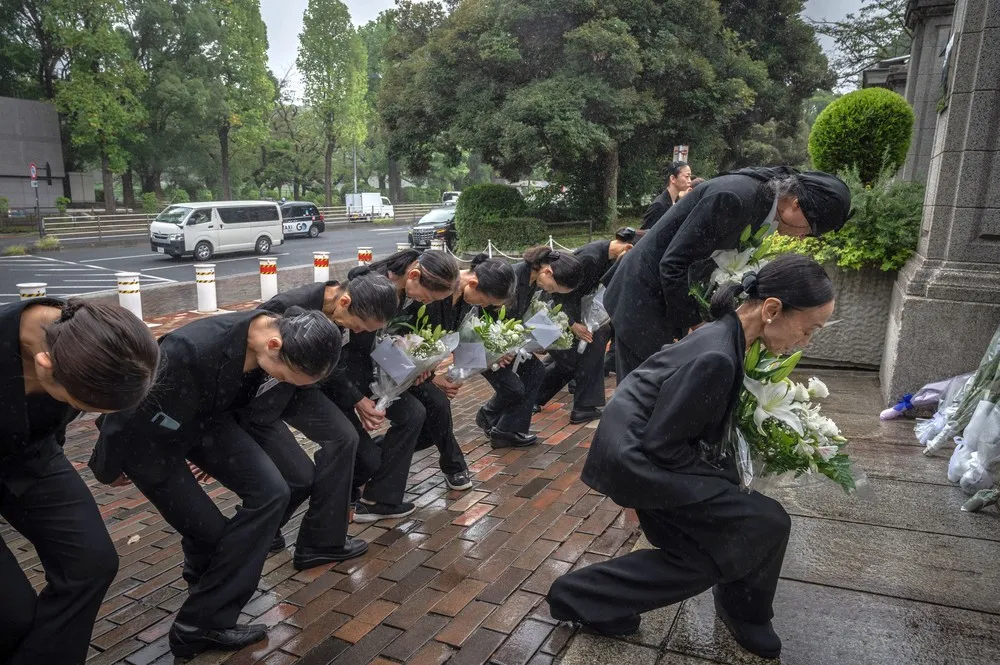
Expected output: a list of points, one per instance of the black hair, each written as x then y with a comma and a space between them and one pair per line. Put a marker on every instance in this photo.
103, 355
566, 268
629, 235
496, 277
673, 170
438, 270
373, 298
310, 342
797, 281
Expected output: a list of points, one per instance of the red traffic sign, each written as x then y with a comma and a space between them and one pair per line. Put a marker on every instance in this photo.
33, 170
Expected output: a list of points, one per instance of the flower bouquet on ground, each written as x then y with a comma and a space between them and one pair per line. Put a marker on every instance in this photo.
778, 431
483, 341
750, 255
594, 315
401, 359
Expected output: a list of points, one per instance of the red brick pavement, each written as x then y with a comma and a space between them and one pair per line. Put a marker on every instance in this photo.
460, 581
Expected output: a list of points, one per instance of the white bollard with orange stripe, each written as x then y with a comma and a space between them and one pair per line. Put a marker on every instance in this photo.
402, 246
438, 245
268, 278
128, 292
365, 256
321, 266
31, 290
204, 277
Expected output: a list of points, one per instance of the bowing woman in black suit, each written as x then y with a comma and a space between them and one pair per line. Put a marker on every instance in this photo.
56, 360
653, 452
648, 296
383, 466
362, 305
587, 368
487, 283
506, 418
211, 369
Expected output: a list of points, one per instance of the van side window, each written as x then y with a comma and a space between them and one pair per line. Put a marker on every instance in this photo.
232, 215
200, 216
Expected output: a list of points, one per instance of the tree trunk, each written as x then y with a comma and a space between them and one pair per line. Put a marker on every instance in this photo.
609, 188
128, 191
328, 174
109, 183
295, 189
227, 194
381, 182
395, 182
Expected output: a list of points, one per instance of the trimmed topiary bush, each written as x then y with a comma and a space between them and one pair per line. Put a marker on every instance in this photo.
867, 129
508, 234
481, 204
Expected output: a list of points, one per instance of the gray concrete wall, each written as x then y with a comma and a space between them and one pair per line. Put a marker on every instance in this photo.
946, 303
29, 132
164, 299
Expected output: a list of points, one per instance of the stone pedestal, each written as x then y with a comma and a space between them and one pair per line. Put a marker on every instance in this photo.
931, 23
946, 302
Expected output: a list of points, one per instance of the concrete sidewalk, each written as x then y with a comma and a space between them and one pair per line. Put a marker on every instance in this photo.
901, 578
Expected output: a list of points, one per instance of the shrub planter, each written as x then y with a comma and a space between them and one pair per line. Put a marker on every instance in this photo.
862, 311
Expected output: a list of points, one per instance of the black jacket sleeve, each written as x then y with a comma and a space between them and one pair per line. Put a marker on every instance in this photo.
689, 402
708, 227
653, 214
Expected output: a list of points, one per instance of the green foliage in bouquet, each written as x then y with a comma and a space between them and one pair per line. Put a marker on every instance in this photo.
431, 335
780, 426
499, 334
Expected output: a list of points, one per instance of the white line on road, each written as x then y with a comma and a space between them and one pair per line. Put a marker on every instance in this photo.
190, 265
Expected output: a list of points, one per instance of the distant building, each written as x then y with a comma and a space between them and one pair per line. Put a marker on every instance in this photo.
889, 74
29, 132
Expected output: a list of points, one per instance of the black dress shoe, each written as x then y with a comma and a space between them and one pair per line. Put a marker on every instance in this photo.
584, 415
188, 641
536, 408
571, 386
483, 422
310, 557
757, 638
619, 628
277, 544
499, 439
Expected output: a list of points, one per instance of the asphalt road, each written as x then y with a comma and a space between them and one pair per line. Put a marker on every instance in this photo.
89, 270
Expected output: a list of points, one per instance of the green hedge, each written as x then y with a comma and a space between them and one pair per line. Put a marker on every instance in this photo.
509, 233
150, 205
867, 129
883, 233
483, 203
420, 195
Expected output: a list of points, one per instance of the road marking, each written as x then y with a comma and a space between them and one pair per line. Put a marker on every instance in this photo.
182, 265
120, 258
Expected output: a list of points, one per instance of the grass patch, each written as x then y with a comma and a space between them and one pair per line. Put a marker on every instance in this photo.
48, 243
15, 250
384, 221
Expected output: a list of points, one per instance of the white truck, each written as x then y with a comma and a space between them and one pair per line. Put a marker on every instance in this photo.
368, 206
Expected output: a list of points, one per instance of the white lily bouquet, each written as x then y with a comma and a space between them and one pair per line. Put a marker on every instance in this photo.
750, 255
483, 341
401, 359
594, 314
778, 430
543, 315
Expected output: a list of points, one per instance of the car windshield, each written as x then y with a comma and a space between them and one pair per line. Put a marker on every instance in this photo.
173, 215
439, 216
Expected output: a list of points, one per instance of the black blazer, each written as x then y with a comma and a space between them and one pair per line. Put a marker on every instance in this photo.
25, 444
594, 259
648, 295
661, 204
201, 372
447, 313
645, 453
523, 291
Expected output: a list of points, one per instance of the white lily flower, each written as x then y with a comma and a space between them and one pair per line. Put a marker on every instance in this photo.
805, 449
774, 400
818, 389
828, 428
732, 265
827, 452
801, 394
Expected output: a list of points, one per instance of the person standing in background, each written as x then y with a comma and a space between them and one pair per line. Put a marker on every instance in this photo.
677, 182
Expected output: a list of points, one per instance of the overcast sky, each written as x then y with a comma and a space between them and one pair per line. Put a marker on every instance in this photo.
284, 22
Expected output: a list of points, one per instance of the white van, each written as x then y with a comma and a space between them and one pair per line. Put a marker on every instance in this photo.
206, 229
368, 206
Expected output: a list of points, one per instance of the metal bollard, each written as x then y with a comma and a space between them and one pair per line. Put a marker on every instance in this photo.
402, 246
31, 290
321, 266
128, 292
268, 278
438, 245
364, 256
204, 277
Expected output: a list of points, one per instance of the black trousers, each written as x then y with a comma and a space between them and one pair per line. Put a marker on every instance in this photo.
587, 368
223, 557
439, 428
382, 464
509, 410
735, 540
324, 480
626, 360
57, 514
